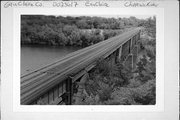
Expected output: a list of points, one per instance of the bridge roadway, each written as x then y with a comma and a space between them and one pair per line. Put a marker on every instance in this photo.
38, 82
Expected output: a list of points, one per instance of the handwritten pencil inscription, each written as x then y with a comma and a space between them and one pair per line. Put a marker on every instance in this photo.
140, 4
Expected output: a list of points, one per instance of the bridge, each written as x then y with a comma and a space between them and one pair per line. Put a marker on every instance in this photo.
54, 84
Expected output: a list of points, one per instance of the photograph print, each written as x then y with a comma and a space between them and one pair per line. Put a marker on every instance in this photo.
88, 60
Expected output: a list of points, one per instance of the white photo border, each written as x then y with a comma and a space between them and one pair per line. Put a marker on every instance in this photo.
158, 12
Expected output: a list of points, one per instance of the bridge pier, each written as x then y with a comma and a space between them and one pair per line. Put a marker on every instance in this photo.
111, 58
135, 54
118, 54
132, 61
69, 91
81, 89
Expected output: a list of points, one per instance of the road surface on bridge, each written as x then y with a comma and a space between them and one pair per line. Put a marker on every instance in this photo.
39, 81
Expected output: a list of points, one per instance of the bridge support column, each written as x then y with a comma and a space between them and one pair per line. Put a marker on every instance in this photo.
81, 89
137, 51
134, 56
132, 45
112, 58
69, 91
118, 54
132, 67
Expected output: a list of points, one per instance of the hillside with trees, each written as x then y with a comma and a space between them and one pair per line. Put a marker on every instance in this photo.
72, 31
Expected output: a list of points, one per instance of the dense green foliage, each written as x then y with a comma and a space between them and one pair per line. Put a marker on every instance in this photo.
72, 31
116, 84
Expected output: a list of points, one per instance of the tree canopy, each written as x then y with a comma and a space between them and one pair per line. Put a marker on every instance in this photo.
73, 31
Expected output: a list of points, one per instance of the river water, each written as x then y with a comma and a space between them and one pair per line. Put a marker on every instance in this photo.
35, 56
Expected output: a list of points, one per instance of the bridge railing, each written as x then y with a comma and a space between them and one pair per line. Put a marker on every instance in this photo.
51, 83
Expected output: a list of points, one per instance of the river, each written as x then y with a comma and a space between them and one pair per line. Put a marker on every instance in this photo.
35, 56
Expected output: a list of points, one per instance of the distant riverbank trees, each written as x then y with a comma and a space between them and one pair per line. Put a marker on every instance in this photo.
72, 31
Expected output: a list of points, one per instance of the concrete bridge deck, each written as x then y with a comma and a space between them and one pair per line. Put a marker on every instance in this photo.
40, 81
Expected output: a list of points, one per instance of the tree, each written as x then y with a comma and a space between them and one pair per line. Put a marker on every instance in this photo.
74, 38
62, 39
82, 24
86, 39
68, 29
61, 30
